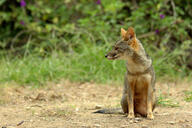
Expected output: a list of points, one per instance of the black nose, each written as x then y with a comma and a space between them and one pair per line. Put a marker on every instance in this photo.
106, 56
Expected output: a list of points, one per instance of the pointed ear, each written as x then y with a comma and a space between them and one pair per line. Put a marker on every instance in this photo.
131, 32
134, 44
123, 33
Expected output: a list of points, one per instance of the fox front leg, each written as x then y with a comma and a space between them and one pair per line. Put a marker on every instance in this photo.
150, 102
130, 101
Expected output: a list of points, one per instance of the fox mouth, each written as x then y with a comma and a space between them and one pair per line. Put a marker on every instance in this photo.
112, 57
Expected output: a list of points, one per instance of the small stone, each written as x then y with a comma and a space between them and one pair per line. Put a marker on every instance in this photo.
186, 120
138, 119
144, 126
76, 109
131, 121
188, 126
171, 122
98, 106
124, 126
181, 121
28, 108
97, 125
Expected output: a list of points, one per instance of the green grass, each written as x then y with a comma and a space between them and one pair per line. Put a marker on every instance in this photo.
165, 102
88, 65
188, 96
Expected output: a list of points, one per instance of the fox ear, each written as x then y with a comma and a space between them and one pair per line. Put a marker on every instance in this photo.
131, 35
130, 32
123, 33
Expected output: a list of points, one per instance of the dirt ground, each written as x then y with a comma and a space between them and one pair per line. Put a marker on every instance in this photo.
70, 105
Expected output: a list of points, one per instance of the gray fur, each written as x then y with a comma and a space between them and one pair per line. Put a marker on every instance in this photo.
139, 65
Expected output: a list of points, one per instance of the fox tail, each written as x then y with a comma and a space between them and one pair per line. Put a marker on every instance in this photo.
110, 111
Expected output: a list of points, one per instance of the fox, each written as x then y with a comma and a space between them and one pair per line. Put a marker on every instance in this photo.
138, 96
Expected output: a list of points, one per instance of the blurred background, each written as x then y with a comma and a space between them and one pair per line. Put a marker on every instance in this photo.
51, 40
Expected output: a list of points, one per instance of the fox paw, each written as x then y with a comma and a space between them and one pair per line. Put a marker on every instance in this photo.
150, 116
131, 116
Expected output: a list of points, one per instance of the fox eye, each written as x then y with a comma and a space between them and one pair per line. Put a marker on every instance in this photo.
116, 48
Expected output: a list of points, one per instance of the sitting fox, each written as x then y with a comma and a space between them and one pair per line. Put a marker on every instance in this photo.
139, 86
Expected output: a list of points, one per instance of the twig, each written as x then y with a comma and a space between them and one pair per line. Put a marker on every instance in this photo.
153, 33
15, 38
27, 45
20, 123
146, 35
174, 11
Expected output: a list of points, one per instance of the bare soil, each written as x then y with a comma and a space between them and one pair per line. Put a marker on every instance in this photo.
70, 105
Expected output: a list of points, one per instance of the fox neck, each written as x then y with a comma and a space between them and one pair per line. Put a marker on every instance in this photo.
138, 63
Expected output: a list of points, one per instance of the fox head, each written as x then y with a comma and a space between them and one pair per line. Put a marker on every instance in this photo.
125, 47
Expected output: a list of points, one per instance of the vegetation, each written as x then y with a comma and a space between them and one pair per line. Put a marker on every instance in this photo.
167, 102
50, 40
188, 96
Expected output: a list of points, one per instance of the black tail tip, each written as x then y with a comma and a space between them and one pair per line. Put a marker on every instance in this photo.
99, 111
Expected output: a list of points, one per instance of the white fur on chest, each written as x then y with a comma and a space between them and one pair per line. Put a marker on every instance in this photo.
133, 67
